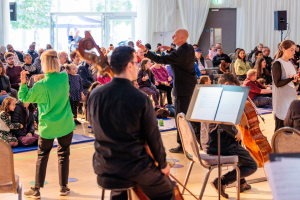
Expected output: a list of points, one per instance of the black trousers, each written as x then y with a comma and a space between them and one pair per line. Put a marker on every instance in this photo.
278, 123
246, 164
154, 184
169, 92
74, 107
63, 153
181, 105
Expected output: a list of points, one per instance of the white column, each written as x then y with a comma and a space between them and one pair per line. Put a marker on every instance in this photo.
4, 22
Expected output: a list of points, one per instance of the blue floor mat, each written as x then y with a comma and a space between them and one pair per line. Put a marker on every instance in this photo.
169, 125
75, 140
265, 111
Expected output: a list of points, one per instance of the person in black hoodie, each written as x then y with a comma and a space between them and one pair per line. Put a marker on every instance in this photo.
23, 114
221, 58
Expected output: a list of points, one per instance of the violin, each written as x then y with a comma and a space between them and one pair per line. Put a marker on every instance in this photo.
224, 68
101, 62
254, 140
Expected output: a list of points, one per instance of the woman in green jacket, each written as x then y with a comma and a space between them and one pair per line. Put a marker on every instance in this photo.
241, 65
55, 120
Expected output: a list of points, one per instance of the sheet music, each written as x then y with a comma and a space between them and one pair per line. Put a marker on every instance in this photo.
284, 178
207, 103
229, 106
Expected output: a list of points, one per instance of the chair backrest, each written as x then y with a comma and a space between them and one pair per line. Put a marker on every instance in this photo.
209, 63
286, 140
188, 139
7, 173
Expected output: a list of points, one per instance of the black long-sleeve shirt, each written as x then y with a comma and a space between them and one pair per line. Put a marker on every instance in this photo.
123, 119
276, 72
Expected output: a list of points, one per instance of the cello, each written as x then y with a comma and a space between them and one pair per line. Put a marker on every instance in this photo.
254, 140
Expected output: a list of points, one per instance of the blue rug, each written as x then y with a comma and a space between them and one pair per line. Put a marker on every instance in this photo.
169, 125
75, 140
265, 111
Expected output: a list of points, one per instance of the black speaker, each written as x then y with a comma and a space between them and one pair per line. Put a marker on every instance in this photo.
280, 20
13, 11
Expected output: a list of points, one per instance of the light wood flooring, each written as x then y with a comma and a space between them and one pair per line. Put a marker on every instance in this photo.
86, 187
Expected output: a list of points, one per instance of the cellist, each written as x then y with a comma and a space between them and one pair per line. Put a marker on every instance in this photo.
230, 146
123, 119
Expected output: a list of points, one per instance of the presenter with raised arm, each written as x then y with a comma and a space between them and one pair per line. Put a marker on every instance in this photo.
183, 69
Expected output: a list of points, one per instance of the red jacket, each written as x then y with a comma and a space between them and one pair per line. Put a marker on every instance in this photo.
255, 87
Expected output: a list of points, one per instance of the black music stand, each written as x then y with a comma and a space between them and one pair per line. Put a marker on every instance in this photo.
220, 104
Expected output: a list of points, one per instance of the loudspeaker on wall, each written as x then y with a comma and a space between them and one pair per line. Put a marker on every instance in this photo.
280, 20
13, 11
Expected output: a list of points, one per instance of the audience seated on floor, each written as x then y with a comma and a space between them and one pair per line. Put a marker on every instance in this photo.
262, 72
221, 58
28, 66
205, 80
269, 60
12, 71
147, 82
241, 65
201, 64
163, 79
257, 90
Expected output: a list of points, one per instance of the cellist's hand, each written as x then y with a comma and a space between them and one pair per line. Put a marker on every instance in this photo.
166, 170
238, 136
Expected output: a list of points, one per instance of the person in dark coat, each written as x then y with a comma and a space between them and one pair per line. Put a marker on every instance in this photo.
221, 58
23, 114
86, 75
182, 61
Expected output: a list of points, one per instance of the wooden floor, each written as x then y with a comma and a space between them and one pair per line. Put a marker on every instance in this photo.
86, 187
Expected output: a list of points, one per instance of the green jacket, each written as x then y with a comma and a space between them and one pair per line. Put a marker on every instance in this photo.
52, 96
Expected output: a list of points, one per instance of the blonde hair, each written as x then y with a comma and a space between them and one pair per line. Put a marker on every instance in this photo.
69, 66
49, 61
251, 73
60, 53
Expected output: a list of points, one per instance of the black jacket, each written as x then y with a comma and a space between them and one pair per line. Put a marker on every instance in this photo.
269, 63
20, 56
146, 83
86, 75
182, 61
217, 59
5, 83
123, 119
19, 116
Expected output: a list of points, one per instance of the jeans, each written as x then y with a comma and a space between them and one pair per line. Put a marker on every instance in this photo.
2, 98
63, 152
261, 101
246, 164
154, 184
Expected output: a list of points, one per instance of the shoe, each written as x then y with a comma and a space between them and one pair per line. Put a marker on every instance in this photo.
64, 191
176, 149
244, 187
77, 122
33, 193
214, 184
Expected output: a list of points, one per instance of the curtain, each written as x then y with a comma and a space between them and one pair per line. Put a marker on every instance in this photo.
255, 23
155, 16
193, 14
4, 22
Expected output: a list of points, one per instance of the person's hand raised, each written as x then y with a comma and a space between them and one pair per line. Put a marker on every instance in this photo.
140, 45
23, 76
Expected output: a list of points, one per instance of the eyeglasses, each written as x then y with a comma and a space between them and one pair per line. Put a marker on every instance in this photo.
9, 58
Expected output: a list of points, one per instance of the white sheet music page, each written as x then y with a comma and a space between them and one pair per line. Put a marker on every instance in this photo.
207, 103
229, 106
284, 178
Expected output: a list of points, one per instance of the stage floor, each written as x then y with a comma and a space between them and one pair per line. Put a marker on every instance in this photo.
86, 187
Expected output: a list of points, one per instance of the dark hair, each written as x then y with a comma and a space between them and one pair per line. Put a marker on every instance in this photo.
93, 86
195, 45
143, 68
130, 42
230, 78
73, 55
285, 44
3, 69
8, 55
261, 81
236, 50
158, 44
203, 79
238, 55
257, 52
148, 46
6, 103
121, 56
257, 67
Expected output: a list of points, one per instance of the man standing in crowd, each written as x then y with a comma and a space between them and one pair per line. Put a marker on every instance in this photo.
182, 61
18, 57
32, 52
269, 60
122, 125
12, 71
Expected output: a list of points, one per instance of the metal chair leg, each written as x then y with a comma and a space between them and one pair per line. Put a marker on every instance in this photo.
238, 182
103, 192
205, 183
19, 192
129, 194
187, 176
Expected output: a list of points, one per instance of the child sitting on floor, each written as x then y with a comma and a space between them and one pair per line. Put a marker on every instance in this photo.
76, 89
8, 105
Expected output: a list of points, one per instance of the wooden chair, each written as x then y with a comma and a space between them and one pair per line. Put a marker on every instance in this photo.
286, 140
9, 181
192, 153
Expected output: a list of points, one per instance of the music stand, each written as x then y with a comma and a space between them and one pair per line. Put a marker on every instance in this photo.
219, 104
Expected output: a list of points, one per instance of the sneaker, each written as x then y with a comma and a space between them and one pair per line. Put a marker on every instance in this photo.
245, 187
214, 184
178, 149
64, 191
33, 193
77, 122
